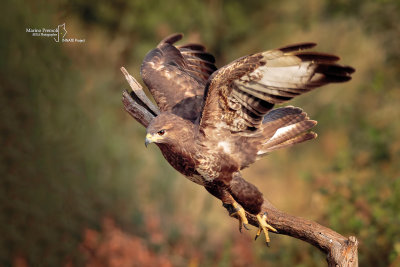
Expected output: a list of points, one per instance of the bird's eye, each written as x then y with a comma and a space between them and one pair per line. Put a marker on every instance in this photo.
162, 132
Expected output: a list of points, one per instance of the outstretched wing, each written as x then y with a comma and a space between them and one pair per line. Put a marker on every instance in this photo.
239, 98
240, 94
176, 76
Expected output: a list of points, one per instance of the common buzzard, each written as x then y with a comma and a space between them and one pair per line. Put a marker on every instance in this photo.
214, 122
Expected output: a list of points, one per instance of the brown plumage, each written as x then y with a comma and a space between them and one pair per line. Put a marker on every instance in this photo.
176, 76
213, 123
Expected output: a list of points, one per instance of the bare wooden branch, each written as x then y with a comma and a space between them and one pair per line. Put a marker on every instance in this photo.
340, 251
138, 112
138, 91
136, 103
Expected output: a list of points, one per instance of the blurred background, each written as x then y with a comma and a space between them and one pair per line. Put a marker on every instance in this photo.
79, 188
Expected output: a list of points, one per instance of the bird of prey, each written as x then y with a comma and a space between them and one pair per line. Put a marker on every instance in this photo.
212, 123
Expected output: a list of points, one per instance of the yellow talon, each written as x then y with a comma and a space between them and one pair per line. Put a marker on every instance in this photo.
264, 226
241, 215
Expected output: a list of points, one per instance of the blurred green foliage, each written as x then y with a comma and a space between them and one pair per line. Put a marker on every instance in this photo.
70, 155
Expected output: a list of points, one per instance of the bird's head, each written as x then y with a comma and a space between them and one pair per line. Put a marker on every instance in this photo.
167, 128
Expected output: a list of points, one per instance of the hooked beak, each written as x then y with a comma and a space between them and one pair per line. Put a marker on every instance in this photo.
150, 139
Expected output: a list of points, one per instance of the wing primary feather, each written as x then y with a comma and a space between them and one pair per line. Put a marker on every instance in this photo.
316, 56
171, 39
195, 57
334, 69
203, 67
203, 55
297, 47
197, 47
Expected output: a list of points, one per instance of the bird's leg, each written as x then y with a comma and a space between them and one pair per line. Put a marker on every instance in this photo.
264, 227
235, 210
241, 215
251, 199
229, 203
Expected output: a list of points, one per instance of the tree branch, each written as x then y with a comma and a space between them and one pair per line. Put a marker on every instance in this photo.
137, 111
340, 251
139, 93
136, 102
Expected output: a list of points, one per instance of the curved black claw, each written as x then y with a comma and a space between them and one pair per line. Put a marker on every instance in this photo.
264, 227
238, 212
245, 225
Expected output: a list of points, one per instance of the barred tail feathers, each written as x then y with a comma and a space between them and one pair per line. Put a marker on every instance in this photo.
285, 127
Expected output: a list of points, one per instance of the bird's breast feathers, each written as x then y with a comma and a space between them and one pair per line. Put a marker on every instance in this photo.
225, 146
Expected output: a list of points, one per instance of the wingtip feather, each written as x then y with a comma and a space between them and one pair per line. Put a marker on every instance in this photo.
297, 47
316, 56
192, 46
171, 39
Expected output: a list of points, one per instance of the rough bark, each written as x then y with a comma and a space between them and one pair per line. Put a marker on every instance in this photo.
339, 250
